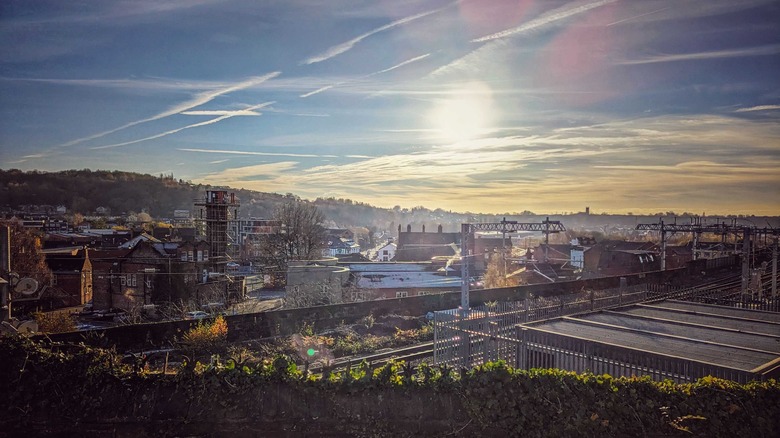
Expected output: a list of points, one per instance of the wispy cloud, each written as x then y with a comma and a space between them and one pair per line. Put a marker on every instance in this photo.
221, 113
636, 17
670, 149
758, 108
548, 18
320, 90
497, 41
197, 101
252, 153
174, 131
399, 65
237, 175
343, 47
715, 54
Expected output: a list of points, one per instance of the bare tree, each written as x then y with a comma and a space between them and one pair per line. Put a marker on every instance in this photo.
300, 237
496, 274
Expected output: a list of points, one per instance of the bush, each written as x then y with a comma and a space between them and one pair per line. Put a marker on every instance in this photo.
54, 322
206, 335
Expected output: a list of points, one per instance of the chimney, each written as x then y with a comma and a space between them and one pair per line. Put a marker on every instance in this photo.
423, 228
440, 228
409, 228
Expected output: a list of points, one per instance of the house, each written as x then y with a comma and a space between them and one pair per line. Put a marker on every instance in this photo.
340, 246
71, 281
419, 246
152, 272
386, 252
400, 280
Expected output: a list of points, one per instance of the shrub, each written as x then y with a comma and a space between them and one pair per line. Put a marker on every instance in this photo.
54, 322
206, 335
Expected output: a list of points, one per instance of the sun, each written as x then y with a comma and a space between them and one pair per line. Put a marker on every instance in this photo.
465, 114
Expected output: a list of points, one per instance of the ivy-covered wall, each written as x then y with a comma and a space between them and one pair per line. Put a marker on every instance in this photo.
74, 390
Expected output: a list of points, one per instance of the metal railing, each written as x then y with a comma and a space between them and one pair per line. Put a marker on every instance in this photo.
486, 332
537, 348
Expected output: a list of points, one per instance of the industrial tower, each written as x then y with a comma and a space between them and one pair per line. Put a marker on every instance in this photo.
217, 206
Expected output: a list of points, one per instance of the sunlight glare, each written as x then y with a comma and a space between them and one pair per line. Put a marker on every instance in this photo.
465, 114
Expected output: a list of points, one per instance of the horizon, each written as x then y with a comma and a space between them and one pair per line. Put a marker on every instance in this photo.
468, 106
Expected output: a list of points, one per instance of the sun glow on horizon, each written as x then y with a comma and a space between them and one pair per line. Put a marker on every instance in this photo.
466, 114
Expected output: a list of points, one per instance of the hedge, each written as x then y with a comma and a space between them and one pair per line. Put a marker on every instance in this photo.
52, 387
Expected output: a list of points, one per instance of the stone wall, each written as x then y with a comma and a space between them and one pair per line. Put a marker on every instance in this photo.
288, 321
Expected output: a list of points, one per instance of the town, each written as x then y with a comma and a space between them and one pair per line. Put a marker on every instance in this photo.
336, 296
418, 218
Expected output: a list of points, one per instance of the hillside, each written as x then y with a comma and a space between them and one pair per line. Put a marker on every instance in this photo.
83, 191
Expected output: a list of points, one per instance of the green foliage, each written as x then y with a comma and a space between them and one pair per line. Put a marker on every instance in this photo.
71, 382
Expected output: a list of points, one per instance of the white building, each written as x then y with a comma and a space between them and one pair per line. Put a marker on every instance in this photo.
386, 252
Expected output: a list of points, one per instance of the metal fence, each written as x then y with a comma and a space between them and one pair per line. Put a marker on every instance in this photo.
487, 332
537, 348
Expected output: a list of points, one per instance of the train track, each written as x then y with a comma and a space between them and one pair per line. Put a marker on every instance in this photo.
410, 354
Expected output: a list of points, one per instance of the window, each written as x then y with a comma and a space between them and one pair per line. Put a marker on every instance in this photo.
401, 294
184, 256
384, 252
189, 256
200, 255
205, 255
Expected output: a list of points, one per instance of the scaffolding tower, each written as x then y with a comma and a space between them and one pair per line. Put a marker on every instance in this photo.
220, 208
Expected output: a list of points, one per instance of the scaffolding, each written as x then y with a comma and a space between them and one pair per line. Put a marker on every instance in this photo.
220, 208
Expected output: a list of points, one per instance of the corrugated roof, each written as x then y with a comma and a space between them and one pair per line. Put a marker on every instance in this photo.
740, 339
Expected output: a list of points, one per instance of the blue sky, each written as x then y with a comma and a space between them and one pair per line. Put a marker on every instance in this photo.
481, 105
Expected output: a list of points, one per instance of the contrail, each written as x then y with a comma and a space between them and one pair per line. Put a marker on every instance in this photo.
747, 110
638, 16
550, 17
343, 47
328, 87
716, 54
174, 131
264, 154
198, 100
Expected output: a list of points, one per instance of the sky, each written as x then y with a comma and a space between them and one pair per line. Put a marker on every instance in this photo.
485, 106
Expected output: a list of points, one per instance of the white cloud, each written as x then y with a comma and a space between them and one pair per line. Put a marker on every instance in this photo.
345, 46
758, 108
174, 131
715, 54
196, 101
545, 19
222, 113
250, 153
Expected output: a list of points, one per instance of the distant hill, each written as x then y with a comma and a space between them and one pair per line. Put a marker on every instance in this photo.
83, 191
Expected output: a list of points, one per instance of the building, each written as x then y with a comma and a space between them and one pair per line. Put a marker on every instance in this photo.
71, 281
400, 280
386, 252
419, 246
675, 340
316, 282
337, 246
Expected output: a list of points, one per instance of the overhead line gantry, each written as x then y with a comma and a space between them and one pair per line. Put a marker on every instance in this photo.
467, 244
697, 227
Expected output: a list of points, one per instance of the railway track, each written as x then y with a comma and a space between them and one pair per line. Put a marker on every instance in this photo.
410, 354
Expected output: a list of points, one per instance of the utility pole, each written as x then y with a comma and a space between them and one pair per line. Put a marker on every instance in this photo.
5, 271
663, 246
774, 270
465, 232
745, 259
